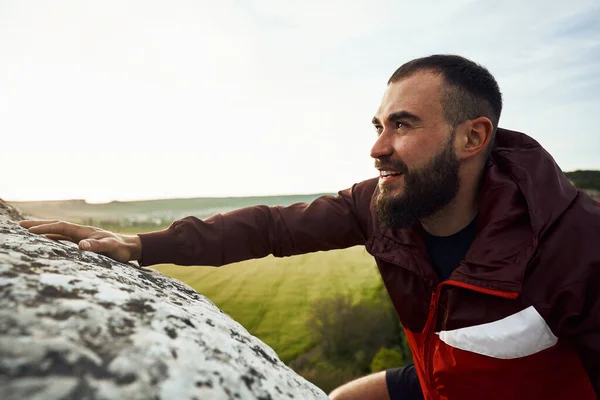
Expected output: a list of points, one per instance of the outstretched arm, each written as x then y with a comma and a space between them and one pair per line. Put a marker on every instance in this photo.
329, 222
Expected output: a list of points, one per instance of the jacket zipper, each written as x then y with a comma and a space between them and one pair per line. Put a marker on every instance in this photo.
432, 320
430, 331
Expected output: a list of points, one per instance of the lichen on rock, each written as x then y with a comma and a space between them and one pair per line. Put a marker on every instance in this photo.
77, 325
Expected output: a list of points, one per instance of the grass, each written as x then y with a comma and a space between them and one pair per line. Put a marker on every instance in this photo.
271, 297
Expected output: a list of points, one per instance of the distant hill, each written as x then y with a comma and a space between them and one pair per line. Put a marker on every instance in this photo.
585, 179
148, 213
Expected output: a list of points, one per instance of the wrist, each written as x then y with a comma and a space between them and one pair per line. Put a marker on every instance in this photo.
134, 245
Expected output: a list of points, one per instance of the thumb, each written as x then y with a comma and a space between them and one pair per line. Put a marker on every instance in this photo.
94, 245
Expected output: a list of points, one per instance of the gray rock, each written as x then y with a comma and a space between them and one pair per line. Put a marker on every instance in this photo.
77, 325
9, 211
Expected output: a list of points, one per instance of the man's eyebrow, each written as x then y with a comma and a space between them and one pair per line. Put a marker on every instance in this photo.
398, 115
403, 115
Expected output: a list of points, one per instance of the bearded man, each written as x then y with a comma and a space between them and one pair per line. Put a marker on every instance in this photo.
490, 256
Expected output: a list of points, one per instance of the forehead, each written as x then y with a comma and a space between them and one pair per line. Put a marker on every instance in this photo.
419, 94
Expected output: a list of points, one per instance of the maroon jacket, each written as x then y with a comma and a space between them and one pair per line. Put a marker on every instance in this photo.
518, 319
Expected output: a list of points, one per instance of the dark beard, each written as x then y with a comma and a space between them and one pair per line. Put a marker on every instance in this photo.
426, 191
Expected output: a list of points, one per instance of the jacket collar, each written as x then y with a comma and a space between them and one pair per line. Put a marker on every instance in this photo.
523, 193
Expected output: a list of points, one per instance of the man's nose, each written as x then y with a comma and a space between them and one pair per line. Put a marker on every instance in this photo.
382, 147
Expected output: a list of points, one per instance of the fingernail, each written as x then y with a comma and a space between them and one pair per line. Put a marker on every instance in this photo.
85, 245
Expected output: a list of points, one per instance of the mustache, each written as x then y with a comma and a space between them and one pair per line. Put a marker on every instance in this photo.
389, 163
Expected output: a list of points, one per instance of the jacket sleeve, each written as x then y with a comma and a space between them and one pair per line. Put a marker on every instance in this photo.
586, 332
574, 303
583, 327
577, 319
328, 222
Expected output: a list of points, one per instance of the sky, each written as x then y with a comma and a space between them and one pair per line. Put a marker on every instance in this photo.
141, 99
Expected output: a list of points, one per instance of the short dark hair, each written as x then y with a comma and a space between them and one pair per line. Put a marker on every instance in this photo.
471, 90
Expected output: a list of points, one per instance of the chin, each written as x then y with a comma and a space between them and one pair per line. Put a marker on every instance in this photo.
387, 190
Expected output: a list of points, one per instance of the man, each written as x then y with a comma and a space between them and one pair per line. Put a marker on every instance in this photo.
491, 258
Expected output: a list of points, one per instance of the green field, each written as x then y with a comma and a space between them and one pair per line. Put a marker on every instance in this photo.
271, 297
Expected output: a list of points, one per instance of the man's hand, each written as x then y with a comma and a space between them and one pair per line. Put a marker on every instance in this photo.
122, 248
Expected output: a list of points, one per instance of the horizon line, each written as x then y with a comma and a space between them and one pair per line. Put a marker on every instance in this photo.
164, 198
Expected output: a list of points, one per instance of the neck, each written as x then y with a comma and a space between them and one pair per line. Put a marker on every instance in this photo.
456, 215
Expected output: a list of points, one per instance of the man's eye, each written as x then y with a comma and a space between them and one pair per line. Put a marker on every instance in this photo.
378, 129
399, 124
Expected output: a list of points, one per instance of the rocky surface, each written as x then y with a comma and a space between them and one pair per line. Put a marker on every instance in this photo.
9, 211
77, 325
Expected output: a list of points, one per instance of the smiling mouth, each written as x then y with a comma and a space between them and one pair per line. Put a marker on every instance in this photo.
388, 177
388, 173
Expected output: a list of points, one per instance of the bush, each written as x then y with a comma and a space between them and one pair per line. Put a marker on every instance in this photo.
350, 339
352, 333
386, 359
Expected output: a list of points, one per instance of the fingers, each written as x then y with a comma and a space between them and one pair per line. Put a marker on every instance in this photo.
55, 227
74, 231
29, 223
60, 237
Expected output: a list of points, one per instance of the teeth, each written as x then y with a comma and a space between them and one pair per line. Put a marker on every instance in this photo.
388, 173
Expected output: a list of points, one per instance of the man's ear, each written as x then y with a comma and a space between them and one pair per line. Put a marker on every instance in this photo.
477, 137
